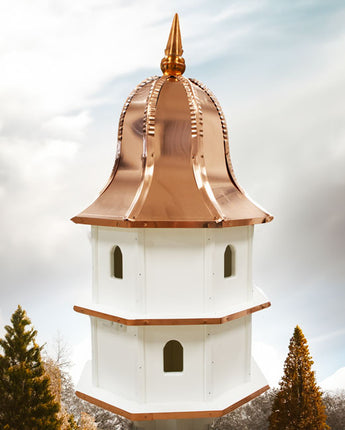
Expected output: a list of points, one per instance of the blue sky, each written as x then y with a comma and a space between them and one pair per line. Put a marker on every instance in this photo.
277, 68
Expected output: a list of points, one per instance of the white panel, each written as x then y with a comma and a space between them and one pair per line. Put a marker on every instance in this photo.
94, 352
237, 288
125, 293
208, 375
229, 355
187, 385
174, 260
95, 265
250, 235
118, 358
248, 323
209, 271
141, 374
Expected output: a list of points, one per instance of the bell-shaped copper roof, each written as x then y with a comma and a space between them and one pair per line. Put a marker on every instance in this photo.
172, 166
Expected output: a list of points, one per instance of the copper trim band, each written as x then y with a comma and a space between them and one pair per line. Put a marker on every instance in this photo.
126, 223
170, 415
170, 321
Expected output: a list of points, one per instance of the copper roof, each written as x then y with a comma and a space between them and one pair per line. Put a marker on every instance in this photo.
172, 165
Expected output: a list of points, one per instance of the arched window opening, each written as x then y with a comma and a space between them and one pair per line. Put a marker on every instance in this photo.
228, 262
117, 263
173, 356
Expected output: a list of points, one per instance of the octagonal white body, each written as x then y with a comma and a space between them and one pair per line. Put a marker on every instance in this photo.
172, 272
169, 281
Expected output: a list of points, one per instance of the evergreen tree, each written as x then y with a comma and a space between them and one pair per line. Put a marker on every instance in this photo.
26, 402
298, 403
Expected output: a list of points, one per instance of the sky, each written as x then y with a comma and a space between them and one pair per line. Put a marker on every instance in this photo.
278, 70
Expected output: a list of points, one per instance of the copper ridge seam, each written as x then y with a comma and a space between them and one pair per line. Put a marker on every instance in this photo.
150, 108
120, 129
128, 102
224, 130
198, 160
148, 155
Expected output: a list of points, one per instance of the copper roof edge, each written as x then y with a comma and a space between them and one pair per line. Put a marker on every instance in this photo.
130, 223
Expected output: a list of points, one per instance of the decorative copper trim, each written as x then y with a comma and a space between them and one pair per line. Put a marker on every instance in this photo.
148, 156
128, 102
149, 416
150, 108
120, 130
198, 160
224, 129
170, 321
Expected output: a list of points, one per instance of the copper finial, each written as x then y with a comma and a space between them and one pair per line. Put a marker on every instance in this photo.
173, 64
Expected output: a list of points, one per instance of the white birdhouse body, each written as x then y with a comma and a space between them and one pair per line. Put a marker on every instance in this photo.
176, 273
189, 288
172, 236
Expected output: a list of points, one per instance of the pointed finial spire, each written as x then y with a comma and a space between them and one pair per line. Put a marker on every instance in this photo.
173, 64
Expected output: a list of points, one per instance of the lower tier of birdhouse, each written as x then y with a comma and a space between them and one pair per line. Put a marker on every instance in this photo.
171, 372
179, 424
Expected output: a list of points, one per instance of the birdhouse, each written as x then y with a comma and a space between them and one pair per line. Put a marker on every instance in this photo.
172, 233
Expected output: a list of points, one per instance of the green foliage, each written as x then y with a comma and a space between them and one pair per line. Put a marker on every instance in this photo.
25, 399
298, 404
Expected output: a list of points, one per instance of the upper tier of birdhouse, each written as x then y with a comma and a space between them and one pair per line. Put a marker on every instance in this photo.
172, 166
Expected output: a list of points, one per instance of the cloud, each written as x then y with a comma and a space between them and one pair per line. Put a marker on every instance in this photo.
270, 361
331, 335
69, 126
58, 56
80, 355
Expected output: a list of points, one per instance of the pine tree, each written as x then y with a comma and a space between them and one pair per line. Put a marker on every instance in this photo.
26, 402
298, 403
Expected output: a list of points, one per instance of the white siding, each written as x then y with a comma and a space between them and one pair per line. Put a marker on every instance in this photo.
126, 293
230, 362
117, 358
174, 261
172, 272
237, 288
187, 385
